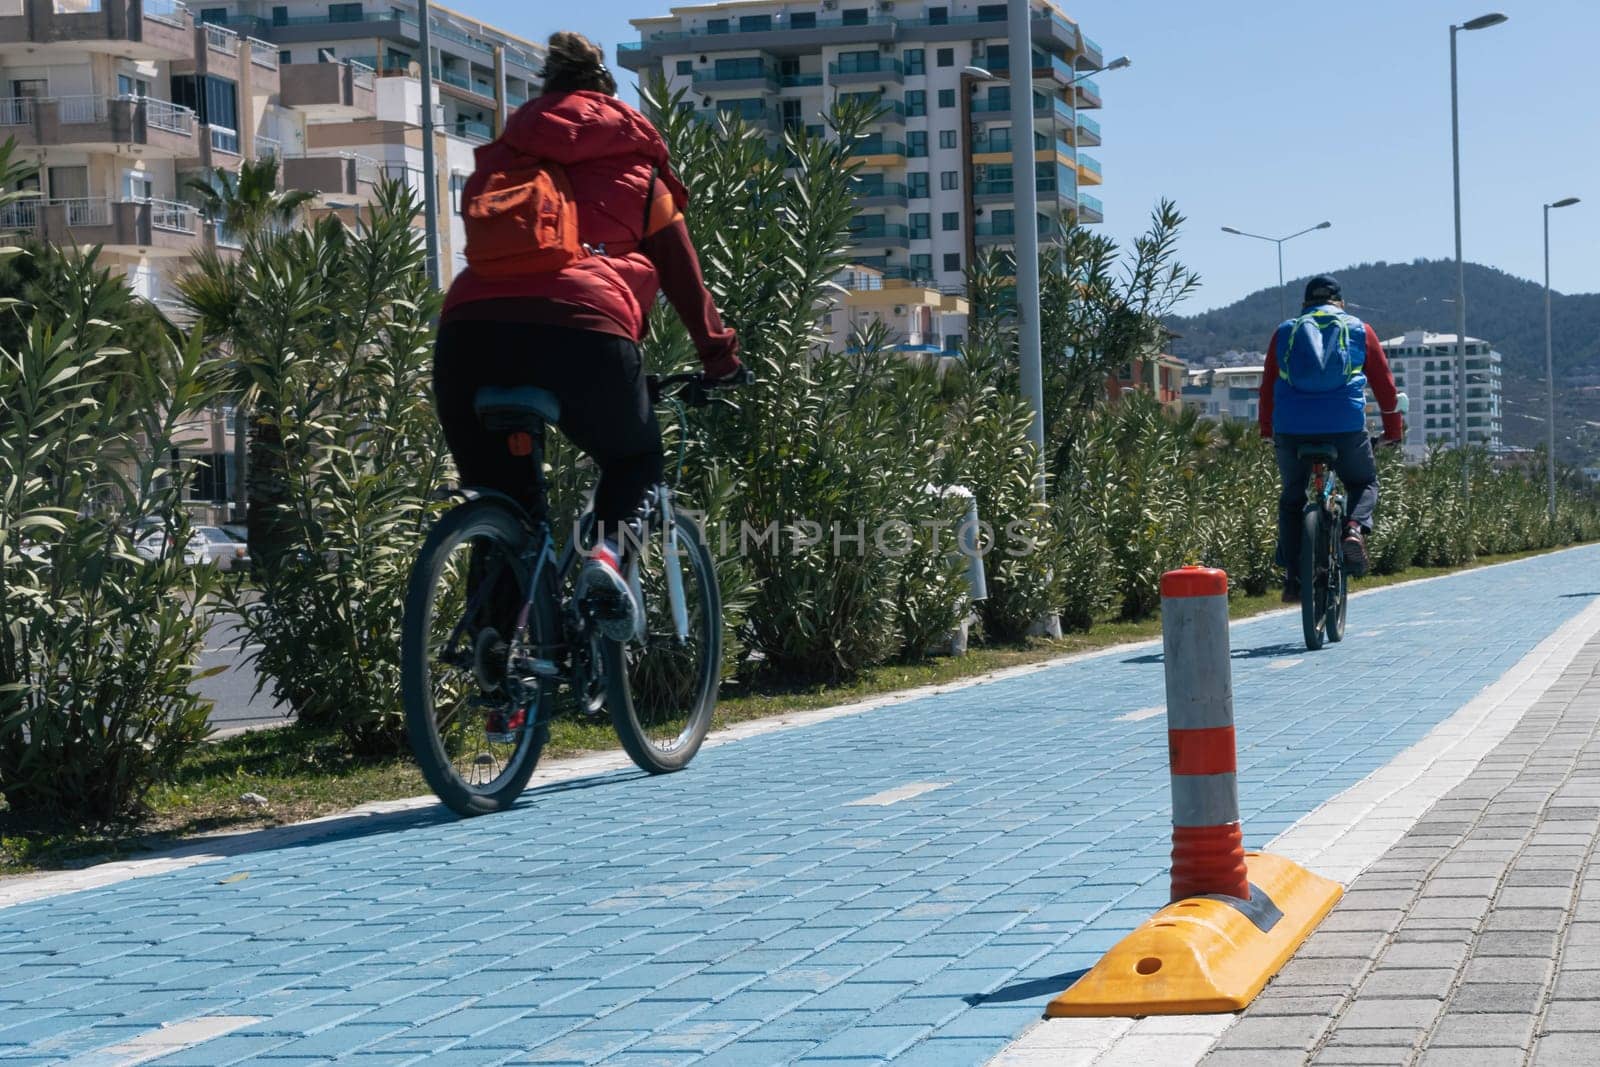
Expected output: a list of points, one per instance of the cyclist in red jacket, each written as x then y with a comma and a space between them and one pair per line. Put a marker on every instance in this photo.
576, 331
1314, 389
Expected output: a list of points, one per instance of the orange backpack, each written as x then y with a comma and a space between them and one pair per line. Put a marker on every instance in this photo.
521, 220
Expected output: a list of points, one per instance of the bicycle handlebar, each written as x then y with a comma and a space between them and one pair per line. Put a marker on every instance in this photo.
694, 388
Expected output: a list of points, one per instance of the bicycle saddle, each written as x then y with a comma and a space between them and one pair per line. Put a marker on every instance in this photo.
1318, 453
515, 407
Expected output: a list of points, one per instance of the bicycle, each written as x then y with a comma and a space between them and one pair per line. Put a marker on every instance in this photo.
492, 632
1324, 582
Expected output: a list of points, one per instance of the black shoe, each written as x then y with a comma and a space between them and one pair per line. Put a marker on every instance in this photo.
1291, 591
1355, 549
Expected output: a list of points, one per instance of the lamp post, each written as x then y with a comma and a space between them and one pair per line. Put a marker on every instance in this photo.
1025, 203
1549, 361
1283, 310
1482, 22
430, 194
1072, 97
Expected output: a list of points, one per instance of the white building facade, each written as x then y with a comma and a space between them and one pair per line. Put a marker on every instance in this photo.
1225, 393
1424, 366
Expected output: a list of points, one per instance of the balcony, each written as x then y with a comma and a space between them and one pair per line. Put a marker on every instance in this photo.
1001, 190
1088, 131
136, 29
328, 92
1004, 232
451, 78
881, 194
1088, 170
876, 152
316, 29
142, 228
754, 77
1090, 209
881, 235
122, 125
1093, 56
780, 37
472, 132
799, 81
1088, 93
885, 112
878, 70
337, 180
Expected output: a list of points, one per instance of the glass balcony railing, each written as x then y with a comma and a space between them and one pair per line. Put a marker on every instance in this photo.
912, 275
798, 81
875, 65
879, 231
1090, 203
874, 146
1089, 125
883, 109
734, 72
1089, 87
476, 132
1045, 183
1090, 46
1090, 164
880, 189
829, 23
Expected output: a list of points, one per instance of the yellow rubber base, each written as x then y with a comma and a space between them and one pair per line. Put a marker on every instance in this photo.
1202, 955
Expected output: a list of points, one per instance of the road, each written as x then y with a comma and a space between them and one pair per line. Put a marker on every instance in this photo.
235, 705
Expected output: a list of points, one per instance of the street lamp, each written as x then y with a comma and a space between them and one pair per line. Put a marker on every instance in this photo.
1482, 22
1549, 361
430, 192
1283, 312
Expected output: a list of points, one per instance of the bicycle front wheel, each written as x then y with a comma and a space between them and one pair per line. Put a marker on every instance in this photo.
1313, 578
476, 733
662, 688
1338, 582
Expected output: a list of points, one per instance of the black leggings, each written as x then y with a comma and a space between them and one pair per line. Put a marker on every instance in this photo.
605, 407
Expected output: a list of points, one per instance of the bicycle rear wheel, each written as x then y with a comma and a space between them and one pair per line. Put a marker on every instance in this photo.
465, 591
662, 690
1313, 578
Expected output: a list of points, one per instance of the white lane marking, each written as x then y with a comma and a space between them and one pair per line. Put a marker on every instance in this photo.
896, 795
170, 1038
1142, 714
1282, 664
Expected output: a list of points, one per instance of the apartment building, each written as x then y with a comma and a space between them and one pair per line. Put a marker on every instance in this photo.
921, 320
1225, 393
1161, 375
1424, 366
122, 102
936, 177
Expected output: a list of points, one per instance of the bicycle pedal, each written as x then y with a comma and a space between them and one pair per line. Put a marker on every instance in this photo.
539, 668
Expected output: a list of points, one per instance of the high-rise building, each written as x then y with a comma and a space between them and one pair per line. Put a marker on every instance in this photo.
936, 178
1424, 366
122, 102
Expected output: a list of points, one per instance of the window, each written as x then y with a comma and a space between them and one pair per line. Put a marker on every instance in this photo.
999, 98
214, 15
921, 225
916, 60
950, 179
917, 185
991, 12
788, 66
754, 23
916, 102
921, 264
285, 57
855, 16
803, 20
917, 144
209, 478
717, 26
947, 57
280, 15
950, 221
128, 86
72, 183
947, 98
952, 342
685, 66
345, 13
458, 185
215, 101
952, 261
947, 138
30, 88
938, 16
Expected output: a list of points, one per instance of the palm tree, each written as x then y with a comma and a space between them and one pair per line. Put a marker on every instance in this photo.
246, 205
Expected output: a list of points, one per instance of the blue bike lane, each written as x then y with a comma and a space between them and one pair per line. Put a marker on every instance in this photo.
753, 909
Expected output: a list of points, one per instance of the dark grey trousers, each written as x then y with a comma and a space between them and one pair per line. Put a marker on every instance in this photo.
1357, 468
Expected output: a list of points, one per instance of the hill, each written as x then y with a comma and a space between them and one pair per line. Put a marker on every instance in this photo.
1503, 309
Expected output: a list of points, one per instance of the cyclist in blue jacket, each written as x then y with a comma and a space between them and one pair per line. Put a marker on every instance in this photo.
1314, 389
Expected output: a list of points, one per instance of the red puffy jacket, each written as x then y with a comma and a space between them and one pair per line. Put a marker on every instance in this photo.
629, 211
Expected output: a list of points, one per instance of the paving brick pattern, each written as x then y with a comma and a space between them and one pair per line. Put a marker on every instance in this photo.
743, 912
1476, 939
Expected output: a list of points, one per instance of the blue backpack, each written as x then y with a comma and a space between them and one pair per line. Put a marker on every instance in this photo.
1325, 351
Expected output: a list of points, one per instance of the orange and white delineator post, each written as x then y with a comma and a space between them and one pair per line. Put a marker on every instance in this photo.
1236, 917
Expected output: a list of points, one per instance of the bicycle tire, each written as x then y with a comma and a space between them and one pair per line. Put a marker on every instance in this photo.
622, 659
1313, 609
497, 524
1338, 589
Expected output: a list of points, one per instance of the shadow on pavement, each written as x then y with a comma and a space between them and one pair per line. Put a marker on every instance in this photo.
1574, 596
1263, 652
1029, 990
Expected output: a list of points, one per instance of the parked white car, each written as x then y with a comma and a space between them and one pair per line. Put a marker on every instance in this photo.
207, 544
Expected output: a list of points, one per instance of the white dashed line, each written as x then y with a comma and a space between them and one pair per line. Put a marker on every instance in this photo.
895, 796
153, 1044
1142, 714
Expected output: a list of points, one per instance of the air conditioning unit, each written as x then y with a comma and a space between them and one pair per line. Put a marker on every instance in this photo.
886, 47
829, 5
899, 309
705, 101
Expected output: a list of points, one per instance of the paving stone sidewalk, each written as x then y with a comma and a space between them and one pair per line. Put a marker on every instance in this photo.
1475, 941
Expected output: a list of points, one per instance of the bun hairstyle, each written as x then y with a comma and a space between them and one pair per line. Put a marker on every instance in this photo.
575, 63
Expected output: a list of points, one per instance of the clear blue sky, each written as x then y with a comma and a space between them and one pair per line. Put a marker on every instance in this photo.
1263, 116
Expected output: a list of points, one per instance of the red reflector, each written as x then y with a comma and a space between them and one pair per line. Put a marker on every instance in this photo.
521, 444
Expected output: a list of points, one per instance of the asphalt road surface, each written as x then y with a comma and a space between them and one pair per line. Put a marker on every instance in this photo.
235, 705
